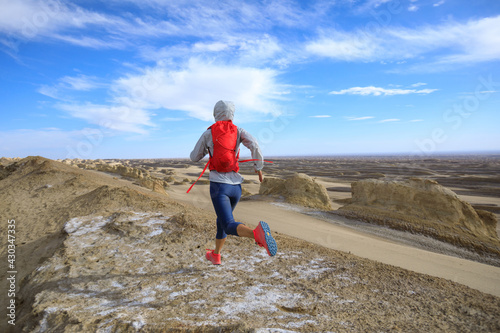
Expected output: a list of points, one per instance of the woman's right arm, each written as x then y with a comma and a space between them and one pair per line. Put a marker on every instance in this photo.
201, 147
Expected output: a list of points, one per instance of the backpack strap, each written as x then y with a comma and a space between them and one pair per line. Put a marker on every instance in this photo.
253, 159
238, 141
204, 169
206, 165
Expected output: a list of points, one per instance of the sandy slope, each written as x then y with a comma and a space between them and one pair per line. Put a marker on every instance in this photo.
482, 277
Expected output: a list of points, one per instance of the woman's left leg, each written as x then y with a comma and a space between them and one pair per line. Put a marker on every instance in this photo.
224, 198
219, 243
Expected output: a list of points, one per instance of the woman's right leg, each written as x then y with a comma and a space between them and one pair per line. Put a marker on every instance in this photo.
244, 231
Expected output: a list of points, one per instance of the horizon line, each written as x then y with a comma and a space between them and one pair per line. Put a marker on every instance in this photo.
379, 154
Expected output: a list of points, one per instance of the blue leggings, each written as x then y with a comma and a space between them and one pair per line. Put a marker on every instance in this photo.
225, 197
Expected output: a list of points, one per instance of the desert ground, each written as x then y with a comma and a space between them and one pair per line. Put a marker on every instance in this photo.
118, 245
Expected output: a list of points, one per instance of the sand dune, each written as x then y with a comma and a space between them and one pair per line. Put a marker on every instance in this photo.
98, 252
424, 207
299, 189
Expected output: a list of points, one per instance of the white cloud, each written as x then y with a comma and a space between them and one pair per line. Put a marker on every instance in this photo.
198, 85
241, 27
474, 41
172, 119
345, 46
439, 3
412, 8
419, 84
81, 82
359, 118
193, 88
119, 117
371, 5
378, 91
320, 116
389, 120
30, 19
69, 22
259, 50
216, 17
50, 91
73, 24
65, 84
245, 50
449, 43
91, 42
240, 30
209, 47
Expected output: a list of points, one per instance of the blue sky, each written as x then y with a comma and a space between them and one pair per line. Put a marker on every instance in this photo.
139, 78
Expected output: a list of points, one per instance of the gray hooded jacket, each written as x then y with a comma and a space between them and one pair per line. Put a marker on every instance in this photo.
224, 110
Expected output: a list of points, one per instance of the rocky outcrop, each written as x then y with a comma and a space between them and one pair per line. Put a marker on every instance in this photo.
299, 189
5, 171
5, 161
154, 184
117, 168
143, 176
423, 206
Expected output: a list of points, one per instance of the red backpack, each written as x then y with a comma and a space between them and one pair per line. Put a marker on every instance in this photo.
224, 158
224, 137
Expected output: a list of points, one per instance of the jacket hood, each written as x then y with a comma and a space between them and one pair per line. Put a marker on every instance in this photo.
224, 110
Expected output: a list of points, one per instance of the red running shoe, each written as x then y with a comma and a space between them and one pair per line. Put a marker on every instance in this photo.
262, 235
213, 257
